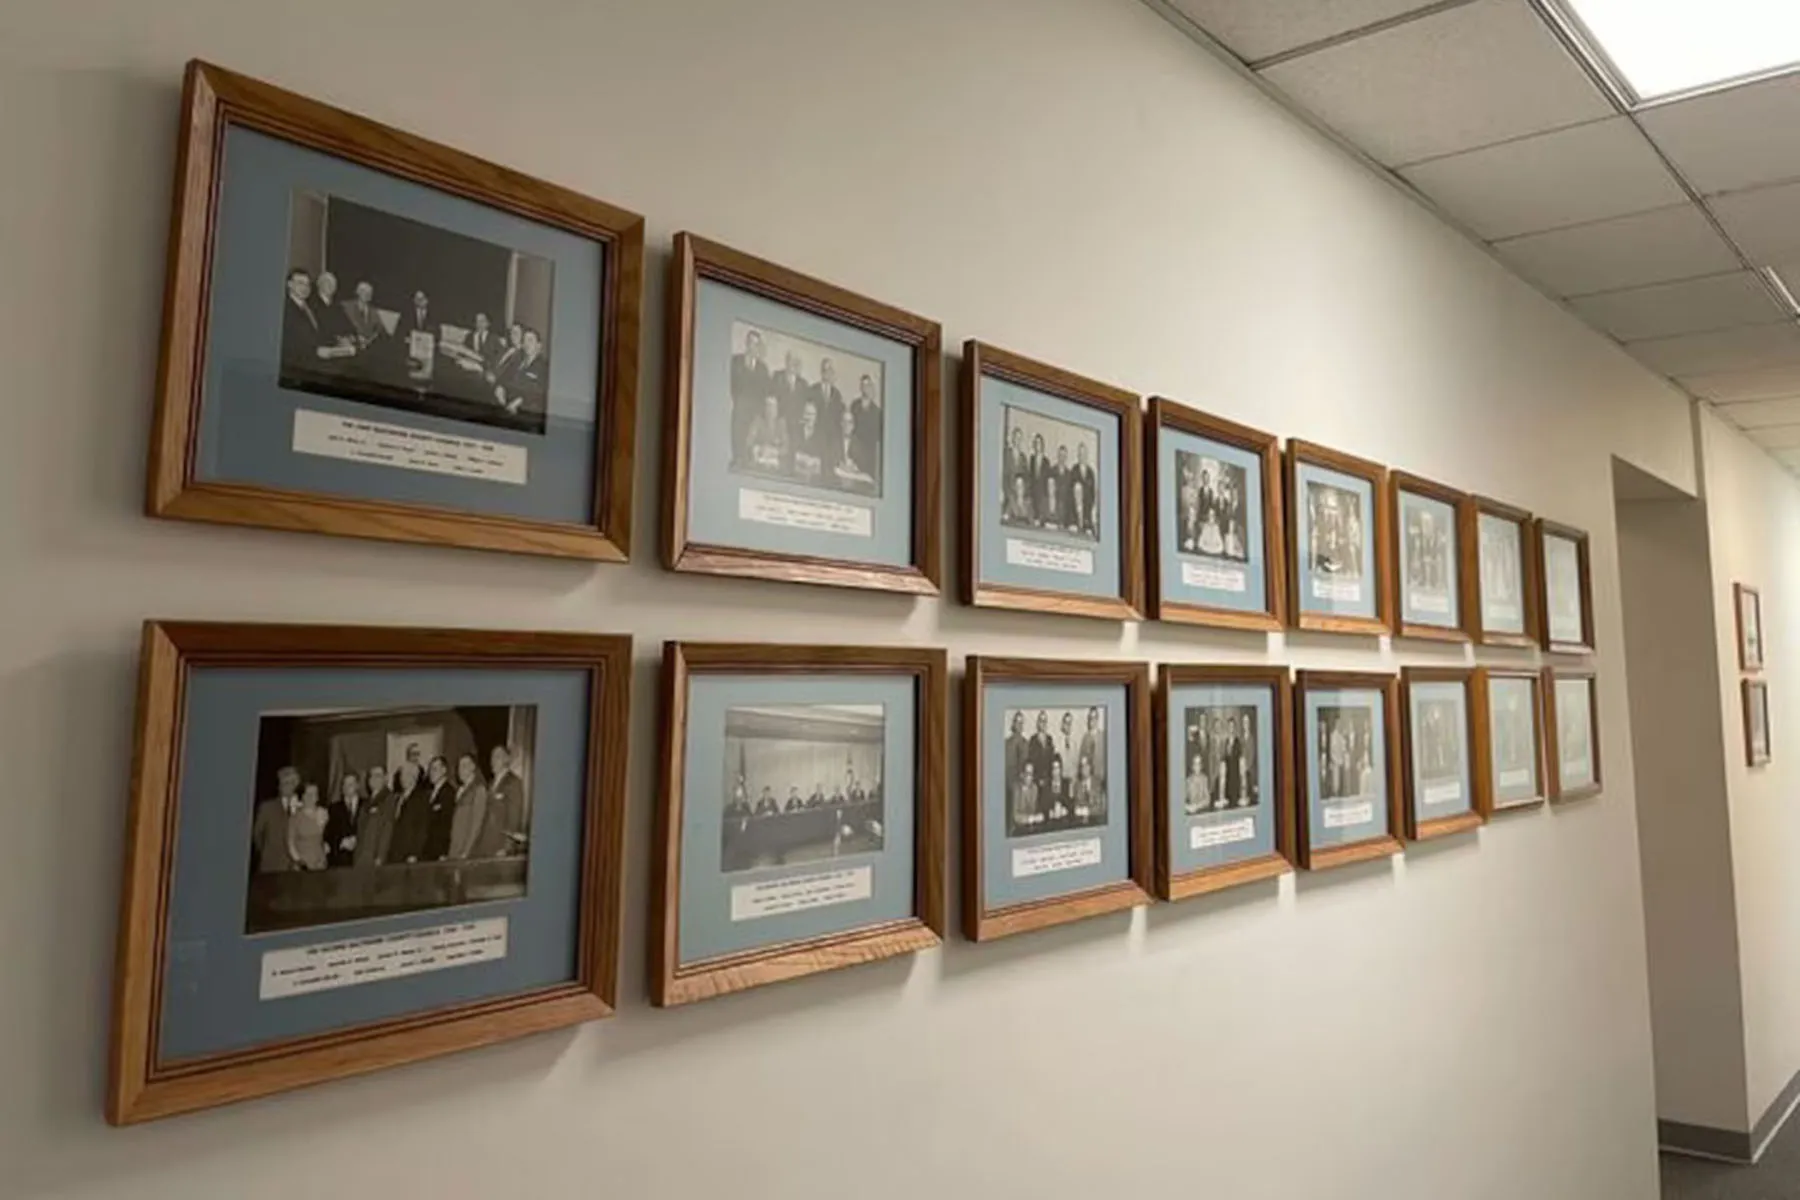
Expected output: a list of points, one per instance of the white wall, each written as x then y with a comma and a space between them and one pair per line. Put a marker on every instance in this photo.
1067, 178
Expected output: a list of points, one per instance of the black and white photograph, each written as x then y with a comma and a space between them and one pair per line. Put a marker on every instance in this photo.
1049, 476
1221, 759
1756, 717
805, 412
1346, 743
1574, 727
368, 812
1438, 732
1562, 590
1334, 551
802, 784
1055, 770
1513, 731
1430, 565
391, 311
1210, 518
1502, 590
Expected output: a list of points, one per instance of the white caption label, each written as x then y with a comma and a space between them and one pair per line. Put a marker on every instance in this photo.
1071, 560
322, 966
1215, 578
1443, 793
1339, 591
1202, 837
1575, 769
774, 897
1342, 815
1517, 777
805, 512
1430, 602
1057, 856
386, 445
1503, 614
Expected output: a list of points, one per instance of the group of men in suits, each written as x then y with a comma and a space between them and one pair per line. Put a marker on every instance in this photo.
851, 791
1346, 753
1041, 492
1209, 515
1054, 776
1335, 544
1221, 771
784, 424
1427, 553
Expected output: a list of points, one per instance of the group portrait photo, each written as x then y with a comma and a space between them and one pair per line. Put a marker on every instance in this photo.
1049, 475
1346, 747
805, 412
1430, 570
1210, 520
1334, 549
803, 783
1222, 771
1056, 770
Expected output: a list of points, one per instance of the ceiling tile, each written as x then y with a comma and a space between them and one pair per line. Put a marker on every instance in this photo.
1759, 414
1653, 247
1764, 221
1736, 138
1739, 387
1691, 306
1584, 173
1744, 349
1257, 29
1777, 437
1448, 82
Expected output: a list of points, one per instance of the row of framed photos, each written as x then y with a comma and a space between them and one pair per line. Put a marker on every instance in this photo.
355, 847
451, 357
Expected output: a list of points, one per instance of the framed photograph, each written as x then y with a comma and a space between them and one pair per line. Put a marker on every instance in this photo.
1568, 592
369, 334
1052, 488
1350, 801
802, 820
1339, 547
1503, 582
351, 848
1428, 558
1509, 740
803, 433
1216, 539
1572, 732
1056, 758
1225, 777
1440, 735
1756, 722
1748, 602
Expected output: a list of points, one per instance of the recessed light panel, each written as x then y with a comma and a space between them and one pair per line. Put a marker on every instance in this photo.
1668, 46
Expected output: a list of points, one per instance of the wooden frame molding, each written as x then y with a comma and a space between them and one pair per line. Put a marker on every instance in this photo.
1486, 801
213, 100
1460, 562
1380, 571
1545, 530
1552, 751
1529, 588
1381, 845
1473, 818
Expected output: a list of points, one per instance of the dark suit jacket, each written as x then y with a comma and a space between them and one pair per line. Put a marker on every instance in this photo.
300, 335
1041, 752
1086, 476
334, 322
440, 809
750, 385
867, 435
268, 838
505, 817
412, 821
374, 830
831, 406
792, 395
340, 823
365, 326
530, 382
487, 347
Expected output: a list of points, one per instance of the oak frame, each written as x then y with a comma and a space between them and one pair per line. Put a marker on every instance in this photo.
1474, 818
1487, 801
212, 100
1552, 752
695, 258
1381, 845
1529, 598
1751, 758
1380, 571
981, 359
1738, 592
1547, 529
1267, 447
139, 1087
1460, 505
672, 984
981, 924
1170, 886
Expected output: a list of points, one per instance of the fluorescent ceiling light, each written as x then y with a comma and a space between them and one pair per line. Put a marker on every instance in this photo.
1666, 46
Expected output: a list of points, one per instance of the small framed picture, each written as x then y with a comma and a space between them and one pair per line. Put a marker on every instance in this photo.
1215, 521
1749, 627
1503, 587
1440, 737
1350, 805
352, 848
1756, 722
1055, 763
1340, 542
1428, 558
802, 820
1052, 488
1572, 732
369, 334
1568, 595
1225, 777
803, 432
1509, 723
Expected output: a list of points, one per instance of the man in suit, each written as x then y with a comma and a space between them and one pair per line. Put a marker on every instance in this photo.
769, 438
365, 323
826, 394
1234, 766
865, 410
334, 323
1067, 745
417, 320
1018, 508
503, 833
1083, 474
809, 450
483, 343
1013, 457
848, 472
300, 334
1054, 799
1042, 748
1037, 473
765, 803
269, 826
528, 384
817, 799
790, 389
343, 817
440, 808
1062, 474
375, 825
750, 383
411, 820
1093, 748
1017, 750
1025, 810
793, 803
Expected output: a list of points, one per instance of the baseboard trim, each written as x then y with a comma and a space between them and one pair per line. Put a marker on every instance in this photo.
1731, 1145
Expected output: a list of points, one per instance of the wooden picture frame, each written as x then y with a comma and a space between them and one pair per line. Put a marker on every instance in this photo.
1752, 756
1168, 414
672, 983
981, 923
1488, 802
141, 1086
1401, 483
694, 260
1379, 846
1474, 591
980, 361
1376, 574
1174, 885
1553, 738
1750, 650
1546, 529
1470, 818
215, 100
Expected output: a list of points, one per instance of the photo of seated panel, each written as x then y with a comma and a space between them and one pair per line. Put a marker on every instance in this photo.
369, 334
352, 848
1052, 489
801, 822
1350, 794
1339, 542
1439, 737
